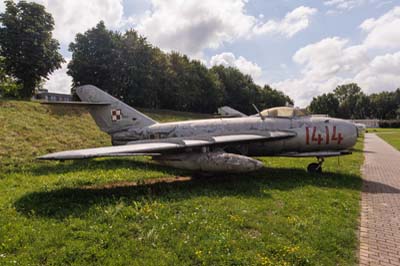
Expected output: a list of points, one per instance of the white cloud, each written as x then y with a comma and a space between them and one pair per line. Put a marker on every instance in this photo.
294, 22
303, 89
383, 73
331, 56
326, 64
192, 26
345, 4
241, 63
341, 6
333, 61
383, 32
76, 16
59, 81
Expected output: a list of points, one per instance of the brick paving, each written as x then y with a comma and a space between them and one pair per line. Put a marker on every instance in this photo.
380, 204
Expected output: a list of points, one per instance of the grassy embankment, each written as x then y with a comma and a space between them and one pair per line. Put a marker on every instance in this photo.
104, 212
390, 135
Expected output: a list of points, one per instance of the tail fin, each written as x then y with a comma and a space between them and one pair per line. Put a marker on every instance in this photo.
113, 116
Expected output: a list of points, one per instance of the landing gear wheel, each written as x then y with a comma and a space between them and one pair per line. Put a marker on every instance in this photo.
314, 168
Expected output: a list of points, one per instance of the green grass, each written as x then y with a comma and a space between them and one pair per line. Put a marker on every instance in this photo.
390, 135
115, 212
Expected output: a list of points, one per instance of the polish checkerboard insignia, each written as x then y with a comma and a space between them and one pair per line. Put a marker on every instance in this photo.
116, 115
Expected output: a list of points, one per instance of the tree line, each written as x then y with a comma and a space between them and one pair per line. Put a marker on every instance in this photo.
127, 66
350, 102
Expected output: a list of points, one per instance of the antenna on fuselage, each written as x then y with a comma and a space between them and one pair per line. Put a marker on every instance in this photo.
258, 111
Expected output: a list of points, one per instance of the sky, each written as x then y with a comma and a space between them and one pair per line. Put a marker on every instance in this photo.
302, 47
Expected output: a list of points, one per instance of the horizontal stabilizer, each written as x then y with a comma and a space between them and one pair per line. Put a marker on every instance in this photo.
75, 103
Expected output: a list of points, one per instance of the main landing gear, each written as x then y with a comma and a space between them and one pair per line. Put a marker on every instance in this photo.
316, 167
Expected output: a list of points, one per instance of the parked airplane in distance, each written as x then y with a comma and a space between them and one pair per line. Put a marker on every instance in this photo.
212, 145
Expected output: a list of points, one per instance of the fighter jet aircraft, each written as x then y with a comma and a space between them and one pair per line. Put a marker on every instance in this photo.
212, 145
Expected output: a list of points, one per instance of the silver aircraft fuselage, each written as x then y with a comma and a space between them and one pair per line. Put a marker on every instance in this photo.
312, 133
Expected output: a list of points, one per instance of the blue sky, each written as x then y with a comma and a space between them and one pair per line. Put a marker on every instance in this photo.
304, 48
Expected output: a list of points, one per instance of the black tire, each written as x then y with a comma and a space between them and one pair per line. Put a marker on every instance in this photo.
314, 168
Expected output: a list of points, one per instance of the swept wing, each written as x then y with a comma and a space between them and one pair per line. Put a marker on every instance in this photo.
168, 144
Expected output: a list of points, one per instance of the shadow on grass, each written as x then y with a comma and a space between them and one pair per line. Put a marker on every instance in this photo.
61, 203
44, 168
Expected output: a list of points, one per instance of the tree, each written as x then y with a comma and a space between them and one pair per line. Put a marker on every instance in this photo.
8, 85
124, 65
240, 91
137, 67
93, 56
325, 104
273, 98
26, 42
353, 103
237, 88
191, 86
384, 105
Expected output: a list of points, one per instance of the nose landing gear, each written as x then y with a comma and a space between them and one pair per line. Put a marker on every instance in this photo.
316, 167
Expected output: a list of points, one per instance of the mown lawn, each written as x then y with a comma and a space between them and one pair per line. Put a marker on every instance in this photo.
390, 135
128, 211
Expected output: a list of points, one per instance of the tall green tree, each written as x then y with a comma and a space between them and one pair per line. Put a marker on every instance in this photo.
94, 55
240, 91
125, 65
273, 98
29, 50
352, 101
141, 77
385, 105
325, 104
238, 88
8, 85
191, 86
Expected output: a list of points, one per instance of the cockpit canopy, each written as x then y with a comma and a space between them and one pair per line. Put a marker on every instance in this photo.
283, 111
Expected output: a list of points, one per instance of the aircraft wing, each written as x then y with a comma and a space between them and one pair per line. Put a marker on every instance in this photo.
315, 154
151, 147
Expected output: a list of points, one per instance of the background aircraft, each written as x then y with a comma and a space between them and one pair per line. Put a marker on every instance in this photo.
212, 145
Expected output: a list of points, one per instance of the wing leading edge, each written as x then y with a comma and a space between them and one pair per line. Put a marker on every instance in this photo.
168, 144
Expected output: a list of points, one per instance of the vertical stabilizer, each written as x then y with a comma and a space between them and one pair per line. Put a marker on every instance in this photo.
115, 115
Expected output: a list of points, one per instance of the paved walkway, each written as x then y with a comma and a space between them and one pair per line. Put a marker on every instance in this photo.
380, 211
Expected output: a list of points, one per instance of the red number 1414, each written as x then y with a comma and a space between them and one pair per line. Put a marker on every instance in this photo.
312, 136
